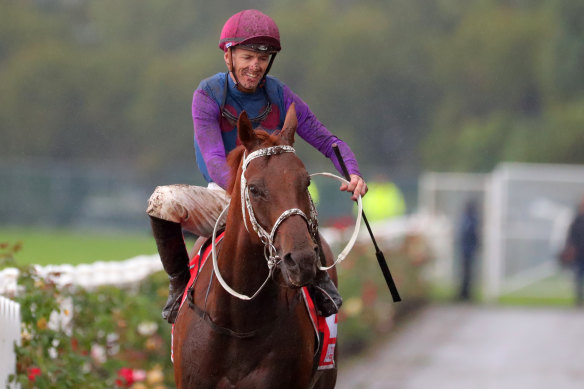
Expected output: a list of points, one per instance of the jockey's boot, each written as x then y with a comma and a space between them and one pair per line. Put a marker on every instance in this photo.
326, 296
175, 261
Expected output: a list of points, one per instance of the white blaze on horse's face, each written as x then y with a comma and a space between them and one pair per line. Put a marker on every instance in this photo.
275, 200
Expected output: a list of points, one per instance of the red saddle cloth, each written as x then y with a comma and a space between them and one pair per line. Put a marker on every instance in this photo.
325, 327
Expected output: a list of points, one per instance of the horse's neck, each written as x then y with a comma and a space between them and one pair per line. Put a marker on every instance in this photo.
242, 258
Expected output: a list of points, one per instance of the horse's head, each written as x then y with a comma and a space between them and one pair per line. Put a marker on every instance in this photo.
272, 186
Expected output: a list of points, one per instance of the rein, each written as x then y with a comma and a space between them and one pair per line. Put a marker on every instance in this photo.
270, 254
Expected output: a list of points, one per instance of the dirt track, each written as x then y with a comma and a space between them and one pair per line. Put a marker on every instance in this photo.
473, 347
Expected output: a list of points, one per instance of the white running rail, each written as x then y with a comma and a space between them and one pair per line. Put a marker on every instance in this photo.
89, 276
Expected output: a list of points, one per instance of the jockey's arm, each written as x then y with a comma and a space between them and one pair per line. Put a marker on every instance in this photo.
208, 136
316, 134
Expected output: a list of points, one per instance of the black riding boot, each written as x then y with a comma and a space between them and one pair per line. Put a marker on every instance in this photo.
175, 261
326, 296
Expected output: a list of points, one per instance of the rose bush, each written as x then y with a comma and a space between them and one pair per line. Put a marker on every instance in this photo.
368, 311
104, 338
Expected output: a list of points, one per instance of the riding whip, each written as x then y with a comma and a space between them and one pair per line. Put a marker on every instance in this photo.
380, 257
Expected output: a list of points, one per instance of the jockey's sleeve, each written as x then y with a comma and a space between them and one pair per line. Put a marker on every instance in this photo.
208, 136
316, 134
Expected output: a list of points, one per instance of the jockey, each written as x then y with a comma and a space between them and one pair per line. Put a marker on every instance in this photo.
250, 41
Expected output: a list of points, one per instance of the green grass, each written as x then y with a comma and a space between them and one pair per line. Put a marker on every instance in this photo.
556, 290
50, 246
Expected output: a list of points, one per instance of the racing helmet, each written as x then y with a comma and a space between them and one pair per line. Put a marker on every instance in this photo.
251, 29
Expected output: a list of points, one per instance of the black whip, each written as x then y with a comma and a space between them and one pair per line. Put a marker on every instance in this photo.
380, 257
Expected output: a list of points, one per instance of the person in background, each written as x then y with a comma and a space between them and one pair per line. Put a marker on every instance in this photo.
573, 253
249, 43
468, 236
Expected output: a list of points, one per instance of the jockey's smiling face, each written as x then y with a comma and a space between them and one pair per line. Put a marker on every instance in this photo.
248, 66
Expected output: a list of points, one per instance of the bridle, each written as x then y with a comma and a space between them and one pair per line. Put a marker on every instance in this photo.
268, 238
270, 254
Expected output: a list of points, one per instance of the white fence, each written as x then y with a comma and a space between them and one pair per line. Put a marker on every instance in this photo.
123, 273
9, 335
526, 210
530, 209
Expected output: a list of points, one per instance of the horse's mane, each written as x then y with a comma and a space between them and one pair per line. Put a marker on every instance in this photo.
235, 156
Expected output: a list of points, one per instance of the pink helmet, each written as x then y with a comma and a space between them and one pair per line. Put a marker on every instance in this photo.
253, 29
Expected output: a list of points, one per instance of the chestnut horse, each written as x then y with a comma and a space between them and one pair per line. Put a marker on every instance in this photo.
268, 250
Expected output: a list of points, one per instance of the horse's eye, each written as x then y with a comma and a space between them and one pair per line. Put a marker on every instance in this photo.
254, 190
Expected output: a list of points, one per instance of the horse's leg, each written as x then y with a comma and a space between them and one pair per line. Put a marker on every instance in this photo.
185, 334
327, 379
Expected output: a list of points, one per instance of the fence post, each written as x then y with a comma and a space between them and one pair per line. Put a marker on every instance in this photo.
9, 335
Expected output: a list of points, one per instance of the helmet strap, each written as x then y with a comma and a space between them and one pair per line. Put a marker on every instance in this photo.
232, 70
268, 69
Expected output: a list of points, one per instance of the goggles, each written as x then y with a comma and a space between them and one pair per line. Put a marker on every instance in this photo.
258, 47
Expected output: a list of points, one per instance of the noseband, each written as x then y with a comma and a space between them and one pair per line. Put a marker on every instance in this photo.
270, 252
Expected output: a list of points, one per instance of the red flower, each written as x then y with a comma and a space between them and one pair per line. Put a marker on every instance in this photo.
126, 377
33, 372
74, 344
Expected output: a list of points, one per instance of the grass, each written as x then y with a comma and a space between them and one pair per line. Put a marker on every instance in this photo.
555, 290
58, 246
552, 291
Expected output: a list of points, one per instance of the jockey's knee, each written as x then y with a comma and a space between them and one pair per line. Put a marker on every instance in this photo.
163, 205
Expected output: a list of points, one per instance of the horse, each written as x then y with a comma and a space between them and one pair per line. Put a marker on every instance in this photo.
266, 340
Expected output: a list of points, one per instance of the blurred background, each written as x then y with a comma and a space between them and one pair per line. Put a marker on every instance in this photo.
450, 102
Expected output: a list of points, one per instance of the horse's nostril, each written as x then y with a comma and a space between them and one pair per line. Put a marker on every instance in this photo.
289, 261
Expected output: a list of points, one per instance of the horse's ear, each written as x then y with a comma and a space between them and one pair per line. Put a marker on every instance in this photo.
246, 134
290, 124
